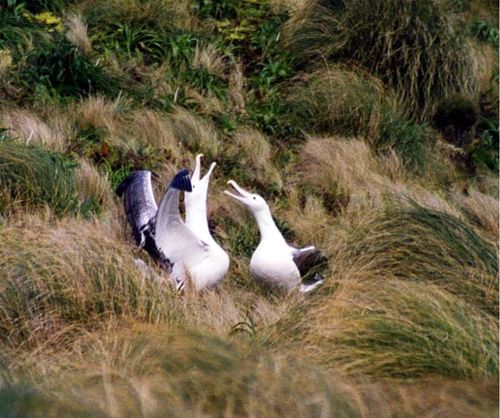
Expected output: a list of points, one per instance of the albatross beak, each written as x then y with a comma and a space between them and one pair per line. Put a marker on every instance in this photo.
242, 196
209, 172
197, 169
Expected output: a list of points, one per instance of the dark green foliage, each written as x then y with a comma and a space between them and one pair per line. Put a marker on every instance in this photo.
32, 177
484, 31
21, 401
410, 140
59, 66
456, 117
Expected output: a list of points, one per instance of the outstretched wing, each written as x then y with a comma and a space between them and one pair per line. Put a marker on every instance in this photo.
172, 236
140, 204
308, 259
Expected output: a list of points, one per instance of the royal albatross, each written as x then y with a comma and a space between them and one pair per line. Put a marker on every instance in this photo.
196, 220
275, 263
161, 231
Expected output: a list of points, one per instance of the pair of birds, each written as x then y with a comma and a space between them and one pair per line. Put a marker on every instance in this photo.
187, 249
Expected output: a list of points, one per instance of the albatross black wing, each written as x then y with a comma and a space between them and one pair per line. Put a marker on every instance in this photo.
307, 259
140, 204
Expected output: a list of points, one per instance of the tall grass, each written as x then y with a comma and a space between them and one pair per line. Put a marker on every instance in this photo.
423, 245
414, 46
62, 277
351, 102
31, 177
154, 372
393, 328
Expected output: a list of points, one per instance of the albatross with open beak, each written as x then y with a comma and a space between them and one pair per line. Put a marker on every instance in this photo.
163, 233
274, 262
196, 220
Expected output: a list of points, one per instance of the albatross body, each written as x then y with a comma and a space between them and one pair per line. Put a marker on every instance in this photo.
162, 232
274, 262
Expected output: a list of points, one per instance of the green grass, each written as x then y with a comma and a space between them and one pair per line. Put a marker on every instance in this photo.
32, 178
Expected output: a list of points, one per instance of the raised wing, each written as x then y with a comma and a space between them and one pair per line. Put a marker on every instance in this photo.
140, 204
172, 236
308, 259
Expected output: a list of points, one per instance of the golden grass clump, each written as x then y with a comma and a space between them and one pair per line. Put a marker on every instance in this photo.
93, 185
341, 101
207, 57
423, 245
76, 33
100, 112
195, 133
29, 127
155, 14
392, 328
252, 160
150, 128
164, 371
57, 277
415, 46
481, 209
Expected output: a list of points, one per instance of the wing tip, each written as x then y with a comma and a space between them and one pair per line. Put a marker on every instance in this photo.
181, 181
127, 181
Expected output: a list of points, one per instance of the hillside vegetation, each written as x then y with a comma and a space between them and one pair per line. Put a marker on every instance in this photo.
371, 129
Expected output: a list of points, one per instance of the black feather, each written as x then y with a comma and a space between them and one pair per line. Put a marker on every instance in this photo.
181, 181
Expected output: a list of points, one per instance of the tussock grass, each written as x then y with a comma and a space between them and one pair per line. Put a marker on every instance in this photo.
251, 159
394, 328
414, 46
32, 178
153, 129
94, 187
154, 14
153, 372
424, 245
481, 209
346, 174
28, 126
195, 133
351, 102
69, 275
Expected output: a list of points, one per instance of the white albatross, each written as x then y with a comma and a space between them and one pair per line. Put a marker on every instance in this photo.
274, 262
162, 232
196, 220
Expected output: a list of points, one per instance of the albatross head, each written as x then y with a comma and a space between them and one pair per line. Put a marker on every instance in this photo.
200, 184
253, 201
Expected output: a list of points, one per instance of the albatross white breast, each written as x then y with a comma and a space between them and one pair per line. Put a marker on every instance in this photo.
274, 262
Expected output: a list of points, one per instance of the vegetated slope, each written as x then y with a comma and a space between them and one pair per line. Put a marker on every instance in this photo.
370, 127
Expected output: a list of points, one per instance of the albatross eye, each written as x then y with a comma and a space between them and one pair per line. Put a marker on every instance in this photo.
254, 198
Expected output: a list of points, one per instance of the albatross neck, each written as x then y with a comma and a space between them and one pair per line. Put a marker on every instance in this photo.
267, 227
196, 218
